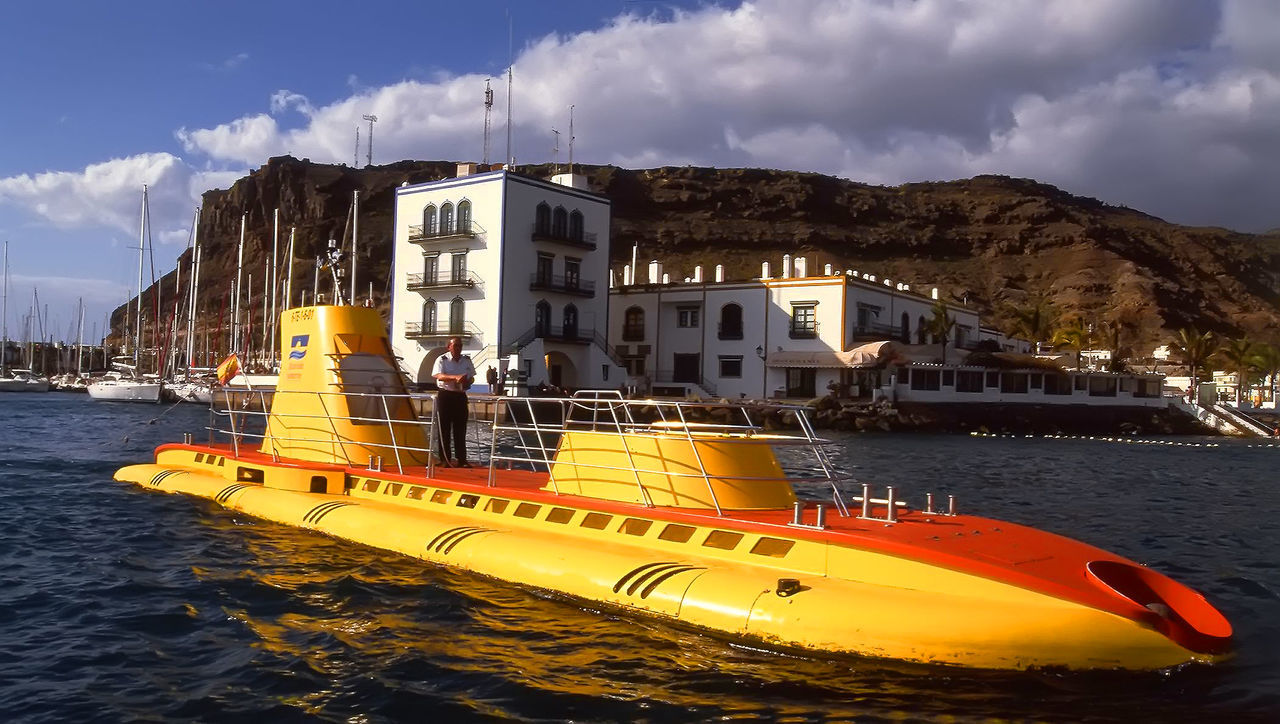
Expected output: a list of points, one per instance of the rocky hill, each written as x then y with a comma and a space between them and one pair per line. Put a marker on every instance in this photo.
993, 242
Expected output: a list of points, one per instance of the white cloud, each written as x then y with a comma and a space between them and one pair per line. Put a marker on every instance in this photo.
1169, 110
109, 194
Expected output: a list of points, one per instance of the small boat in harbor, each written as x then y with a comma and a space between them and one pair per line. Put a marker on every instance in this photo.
639, 507
123, 384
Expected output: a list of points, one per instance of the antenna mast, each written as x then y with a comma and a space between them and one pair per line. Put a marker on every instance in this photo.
571, 139
555, 152
355, 158
488, 111
371, 119
511, 159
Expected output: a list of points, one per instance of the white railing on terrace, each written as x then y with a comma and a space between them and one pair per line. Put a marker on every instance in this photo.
523, 431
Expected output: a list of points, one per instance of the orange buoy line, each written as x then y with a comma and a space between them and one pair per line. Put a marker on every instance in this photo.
632, 505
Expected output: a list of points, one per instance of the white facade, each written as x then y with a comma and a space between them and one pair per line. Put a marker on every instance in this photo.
515, 266
938, 384
767, 337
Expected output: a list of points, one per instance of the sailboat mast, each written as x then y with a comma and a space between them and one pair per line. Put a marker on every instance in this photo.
355, 231
4, 316
80, 340
142, 235
235, 292
288, 285
273, 273
194, 290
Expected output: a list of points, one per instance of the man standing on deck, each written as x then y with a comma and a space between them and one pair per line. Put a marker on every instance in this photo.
454, 374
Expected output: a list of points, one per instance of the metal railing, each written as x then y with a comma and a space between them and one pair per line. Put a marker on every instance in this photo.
545, 232
524, 431
562, 283
463, 230
443, 278
804, 331
466, 330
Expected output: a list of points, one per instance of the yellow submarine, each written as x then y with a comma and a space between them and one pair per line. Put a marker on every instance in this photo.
634, 506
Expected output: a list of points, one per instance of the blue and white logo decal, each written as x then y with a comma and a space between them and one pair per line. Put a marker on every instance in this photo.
299, 340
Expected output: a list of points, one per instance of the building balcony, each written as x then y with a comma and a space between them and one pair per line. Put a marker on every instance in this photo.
555, 236
419, 235
420, 282
560, 283
467, 331
804, 331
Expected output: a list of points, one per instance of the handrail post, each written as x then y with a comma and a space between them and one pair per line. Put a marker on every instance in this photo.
391, 429
688, 433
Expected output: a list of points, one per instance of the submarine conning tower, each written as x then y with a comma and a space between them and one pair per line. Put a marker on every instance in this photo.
340, 398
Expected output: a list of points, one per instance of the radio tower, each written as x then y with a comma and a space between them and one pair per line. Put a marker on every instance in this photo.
570, 140
355, 158
488, 110
371, 120
555, 152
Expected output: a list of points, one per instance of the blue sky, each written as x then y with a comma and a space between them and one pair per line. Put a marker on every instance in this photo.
1171, 108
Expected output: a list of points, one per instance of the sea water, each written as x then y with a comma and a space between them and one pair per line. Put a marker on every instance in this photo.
120, 603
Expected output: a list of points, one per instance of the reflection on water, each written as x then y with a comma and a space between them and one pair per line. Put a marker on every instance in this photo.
140, 605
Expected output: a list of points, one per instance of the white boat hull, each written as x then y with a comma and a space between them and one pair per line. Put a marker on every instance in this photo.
125, 391
19, 385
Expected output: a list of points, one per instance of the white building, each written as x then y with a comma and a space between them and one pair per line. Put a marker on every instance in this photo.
515, 266
775, 336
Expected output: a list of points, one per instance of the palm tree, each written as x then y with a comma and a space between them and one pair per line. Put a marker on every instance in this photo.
1074, 336
939, 326
1110, 336
1267, 359
1195, 348
1237, 355
1035, 321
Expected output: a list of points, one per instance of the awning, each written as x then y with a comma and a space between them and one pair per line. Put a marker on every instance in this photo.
865, 356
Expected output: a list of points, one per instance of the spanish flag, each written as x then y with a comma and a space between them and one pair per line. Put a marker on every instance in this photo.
228, 369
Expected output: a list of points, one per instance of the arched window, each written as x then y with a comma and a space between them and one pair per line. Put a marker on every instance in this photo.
633, 324
464, 217
542, 319
731, 321
429, 316
905, 334
575, 225
570, 322
429, 220
560, 223
446, 218
457, 318
542, 220
920, 333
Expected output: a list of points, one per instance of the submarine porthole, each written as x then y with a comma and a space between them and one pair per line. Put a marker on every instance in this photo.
249, 475
722, 539
371, 485
468, 501
319, 484
496, 505
560, 515
596, 521
416, 492
392, 489
772, 547
635, 526
199, 457
527, 510
677, 533
441, 496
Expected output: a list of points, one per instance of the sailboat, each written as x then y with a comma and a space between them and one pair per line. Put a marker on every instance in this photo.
124, 383
14, 380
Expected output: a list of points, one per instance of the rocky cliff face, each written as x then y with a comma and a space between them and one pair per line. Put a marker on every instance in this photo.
992, 241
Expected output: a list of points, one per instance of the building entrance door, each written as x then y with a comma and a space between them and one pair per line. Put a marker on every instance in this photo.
686, 368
